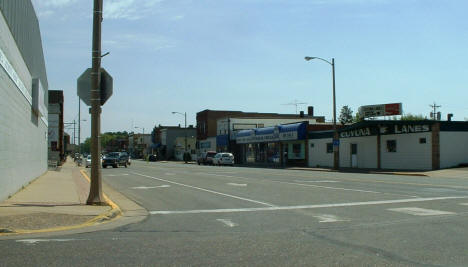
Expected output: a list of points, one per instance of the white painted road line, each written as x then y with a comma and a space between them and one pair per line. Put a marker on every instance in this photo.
328, 187
421, 212
207, 190
151, 187
326, 218
464, 204
234, 184
337, 205
34, 241
227, 222
323, 181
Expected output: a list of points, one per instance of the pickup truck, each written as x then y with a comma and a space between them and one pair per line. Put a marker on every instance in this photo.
115, 159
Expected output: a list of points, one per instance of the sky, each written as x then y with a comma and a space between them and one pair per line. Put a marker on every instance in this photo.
248, 55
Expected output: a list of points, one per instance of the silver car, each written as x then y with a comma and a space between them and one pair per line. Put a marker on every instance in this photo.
88, 161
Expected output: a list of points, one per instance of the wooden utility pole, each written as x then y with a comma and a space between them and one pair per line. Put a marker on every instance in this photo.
95, 192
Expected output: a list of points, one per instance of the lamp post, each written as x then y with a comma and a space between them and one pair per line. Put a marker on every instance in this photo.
143, 128
185, 116
336, 141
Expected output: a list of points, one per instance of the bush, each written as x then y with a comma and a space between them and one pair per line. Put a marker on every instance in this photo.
187, 157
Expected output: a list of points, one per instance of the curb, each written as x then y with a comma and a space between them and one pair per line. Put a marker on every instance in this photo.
364, 172
99, 219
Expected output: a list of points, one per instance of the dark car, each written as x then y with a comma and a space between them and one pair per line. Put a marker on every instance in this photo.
115, 159
206, 158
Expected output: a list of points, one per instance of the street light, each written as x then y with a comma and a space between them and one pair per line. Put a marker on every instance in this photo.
185, 116
143, 128
336, 142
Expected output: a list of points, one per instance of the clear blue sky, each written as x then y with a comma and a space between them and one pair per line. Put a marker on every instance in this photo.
248, 55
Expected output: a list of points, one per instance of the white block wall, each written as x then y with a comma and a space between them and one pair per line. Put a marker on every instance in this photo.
366, 152
453, 149
410, 154
23, 136
318, 156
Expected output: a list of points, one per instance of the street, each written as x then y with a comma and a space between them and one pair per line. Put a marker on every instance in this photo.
208, 215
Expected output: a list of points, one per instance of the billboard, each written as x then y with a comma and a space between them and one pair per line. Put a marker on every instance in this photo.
391, 109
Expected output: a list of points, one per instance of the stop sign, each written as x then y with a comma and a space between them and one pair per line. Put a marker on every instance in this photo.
84, 86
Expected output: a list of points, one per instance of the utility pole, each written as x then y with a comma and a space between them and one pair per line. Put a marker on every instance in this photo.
95, 192
79, 125
434, 108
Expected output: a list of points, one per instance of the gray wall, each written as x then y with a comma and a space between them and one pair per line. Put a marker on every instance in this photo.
173, 133
23, 134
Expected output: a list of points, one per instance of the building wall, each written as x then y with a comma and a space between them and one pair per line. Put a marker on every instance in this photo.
366, 152
23, 142
410, 154
318, 156
453, 148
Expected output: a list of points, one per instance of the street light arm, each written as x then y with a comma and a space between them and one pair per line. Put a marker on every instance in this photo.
310, 58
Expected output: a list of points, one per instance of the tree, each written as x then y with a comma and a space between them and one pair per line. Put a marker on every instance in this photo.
411, 117
346, 115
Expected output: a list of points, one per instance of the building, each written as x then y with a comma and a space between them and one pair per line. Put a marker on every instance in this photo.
167, 138
139, 145
207, 124
56, 148
277, 145
402, 145
23, 97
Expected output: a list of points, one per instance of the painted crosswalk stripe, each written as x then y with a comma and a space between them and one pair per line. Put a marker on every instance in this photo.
326, 218
464, 204
227, 222
421, 212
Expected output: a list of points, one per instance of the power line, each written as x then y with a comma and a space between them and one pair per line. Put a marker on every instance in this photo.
295, 103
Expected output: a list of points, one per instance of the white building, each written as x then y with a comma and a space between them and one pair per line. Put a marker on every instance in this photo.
23, 98
403, 145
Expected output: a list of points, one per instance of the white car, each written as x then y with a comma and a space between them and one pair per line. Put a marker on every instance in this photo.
223, 159
88, 161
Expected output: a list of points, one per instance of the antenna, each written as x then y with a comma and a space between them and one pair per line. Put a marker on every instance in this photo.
434, 114
295, 103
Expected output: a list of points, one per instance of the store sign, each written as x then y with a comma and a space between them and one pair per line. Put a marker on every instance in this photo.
285, 136
405, 128
356, 133
380, 110
387, 129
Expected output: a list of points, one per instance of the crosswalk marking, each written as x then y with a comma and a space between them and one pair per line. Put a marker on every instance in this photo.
464, 204
421, 212
326, 218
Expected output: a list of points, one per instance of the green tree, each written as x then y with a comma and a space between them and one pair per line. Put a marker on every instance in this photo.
410, 117
346, 115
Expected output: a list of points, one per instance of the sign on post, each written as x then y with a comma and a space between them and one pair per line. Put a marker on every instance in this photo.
380, 110
84, 86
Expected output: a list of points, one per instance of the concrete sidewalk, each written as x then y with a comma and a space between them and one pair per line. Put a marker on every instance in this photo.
56, 201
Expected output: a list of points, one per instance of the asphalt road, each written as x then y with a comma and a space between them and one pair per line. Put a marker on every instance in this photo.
205, 215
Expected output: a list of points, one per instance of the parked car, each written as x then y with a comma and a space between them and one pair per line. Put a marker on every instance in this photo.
115, 159
206, 158
223, 159
125, 154
153, 157
88, 161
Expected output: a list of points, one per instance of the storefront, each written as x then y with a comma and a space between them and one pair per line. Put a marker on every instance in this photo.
405, 145
276, 145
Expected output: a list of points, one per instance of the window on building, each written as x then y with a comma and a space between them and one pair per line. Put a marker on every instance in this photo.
312, 145
422, 140
329, 147
391, 145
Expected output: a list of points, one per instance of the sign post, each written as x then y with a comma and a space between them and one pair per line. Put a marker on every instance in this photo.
95, 192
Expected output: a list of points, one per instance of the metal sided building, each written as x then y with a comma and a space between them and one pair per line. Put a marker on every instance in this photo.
399, 145
23, 97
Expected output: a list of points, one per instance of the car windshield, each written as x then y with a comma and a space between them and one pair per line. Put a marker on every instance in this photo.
113, 155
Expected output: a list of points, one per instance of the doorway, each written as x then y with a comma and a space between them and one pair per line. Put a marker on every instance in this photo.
354, 160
